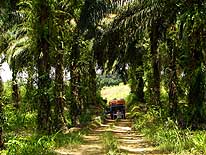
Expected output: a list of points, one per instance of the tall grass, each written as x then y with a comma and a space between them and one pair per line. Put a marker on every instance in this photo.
166, 134
21, 137
37, 145
16, 120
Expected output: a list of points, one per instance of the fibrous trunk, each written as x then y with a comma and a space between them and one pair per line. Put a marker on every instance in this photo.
15, 94
15, 87
75, 105
173, 100
43, 66
196, 96
1, 116
140, 89
60, 122
155, 96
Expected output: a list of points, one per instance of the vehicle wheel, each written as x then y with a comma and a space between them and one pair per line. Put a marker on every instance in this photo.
124, 117
112, 116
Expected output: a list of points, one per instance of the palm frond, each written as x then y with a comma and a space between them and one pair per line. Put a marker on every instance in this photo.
18, 43
135, 20
92, 12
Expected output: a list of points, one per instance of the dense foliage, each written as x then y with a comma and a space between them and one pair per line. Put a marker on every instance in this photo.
156, 46
164, 52
108, 80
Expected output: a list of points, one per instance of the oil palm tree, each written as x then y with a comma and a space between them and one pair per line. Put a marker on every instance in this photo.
9, 19
1, 115
86, 28
143, 20
192, 37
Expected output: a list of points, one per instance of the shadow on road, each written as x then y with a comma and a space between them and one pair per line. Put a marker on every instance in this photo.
129, 141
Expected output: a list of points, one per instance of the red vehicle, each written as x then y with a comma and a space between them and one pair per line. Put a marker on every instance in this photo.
117, 108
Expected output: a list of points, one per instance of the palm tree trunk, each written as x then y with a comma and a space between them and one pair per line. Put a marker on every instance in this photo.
60, 122
173, 99
43, 66
155, 66
197, 90
196, 98
92, 85
137, 82
30, 88
140, 86
76, 105
140, 89
1, 127
15, 87
1, 116
15, 94
43, 86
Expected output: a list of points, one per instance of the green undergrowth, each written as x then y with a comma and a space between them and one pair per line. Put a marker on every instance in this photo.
36, 144
110, 143
166, 134
96, 122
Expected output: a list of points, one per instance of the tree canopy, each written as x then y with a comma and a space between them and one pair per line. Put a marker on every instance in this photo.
155, 46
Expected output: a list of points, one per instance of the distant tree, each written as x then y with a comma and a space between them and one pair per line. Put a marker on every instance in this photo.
9, 19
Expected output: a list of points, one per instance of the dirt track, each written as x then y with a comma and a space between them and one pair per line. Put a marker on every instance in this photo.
129, 142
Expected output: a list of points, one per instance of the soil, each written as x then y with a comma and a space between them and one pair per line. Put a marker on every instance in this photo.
129, 141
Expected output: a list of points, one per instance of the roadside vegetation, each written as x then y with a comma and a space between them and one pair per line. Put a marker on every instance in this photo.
25, 143
168, 136
55, 49
162, 131
21, 136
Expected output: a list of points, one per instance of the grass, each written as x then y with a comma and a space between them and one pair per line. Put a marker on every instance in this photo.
163, 132
120, 91
21, 137
35, 144
166, 134
110, 143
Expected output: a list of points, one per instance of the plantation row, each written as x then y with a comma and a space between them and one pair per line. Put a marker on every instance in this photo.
157, 47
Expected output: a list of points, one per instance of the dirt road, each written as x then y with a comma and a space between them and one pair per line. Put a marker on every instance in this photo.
127, 141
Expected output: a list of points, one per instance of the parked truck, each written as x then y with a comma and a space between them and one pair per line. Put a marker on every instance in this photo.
117, 108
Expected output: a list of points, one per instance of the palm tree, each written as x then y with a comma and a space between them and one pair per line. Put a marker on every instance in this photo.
1, 115
87, 23
43, 65
118, 44
145, 20
10, 18
173, 79
192, 30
